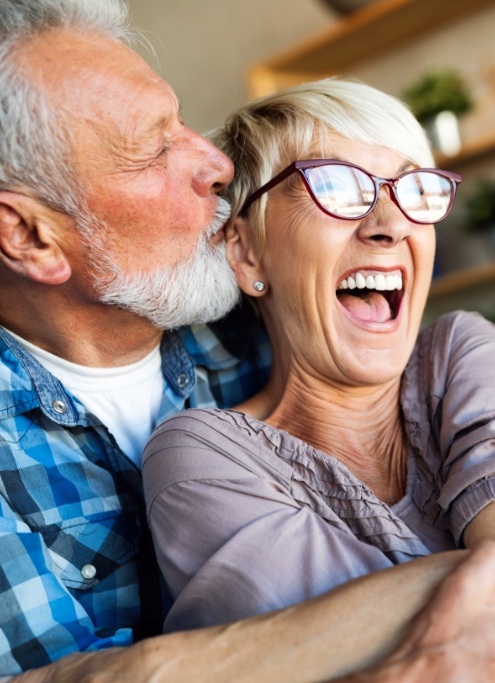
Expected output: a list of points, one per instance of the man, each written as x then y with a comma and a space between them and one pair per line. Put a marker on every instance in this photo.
111, 233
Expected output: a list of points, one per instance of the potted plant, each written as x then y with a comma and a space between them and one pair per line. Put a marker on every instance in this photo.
477, 219
436, 99
479, 207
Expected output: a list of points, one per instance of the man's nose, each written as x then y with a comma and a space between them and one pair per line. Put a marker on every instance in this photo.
215, 171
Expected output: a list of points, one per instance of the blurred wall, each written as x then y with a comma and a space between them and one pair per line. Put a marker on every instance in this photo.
203, 46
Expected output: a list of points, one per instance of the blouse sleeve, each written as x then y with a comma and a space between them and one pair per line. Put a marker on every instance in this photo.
231, 540
464, 410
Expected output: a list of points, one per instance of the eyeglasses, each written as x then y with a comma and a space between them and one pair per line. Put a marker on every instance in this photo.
343, 190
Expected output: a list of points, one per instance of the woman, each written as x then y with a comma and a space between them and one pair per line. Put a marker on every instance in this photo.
369, 447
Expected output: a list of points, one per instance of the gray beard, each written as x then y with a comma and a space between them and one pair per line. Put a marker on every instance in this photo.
198, 290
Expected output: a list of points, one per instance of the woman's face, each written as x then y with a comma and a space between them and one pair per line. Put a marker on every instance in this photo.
359, 338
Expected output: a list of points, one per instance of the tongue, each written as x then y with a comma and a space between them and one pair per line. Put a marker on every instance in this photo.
370, 306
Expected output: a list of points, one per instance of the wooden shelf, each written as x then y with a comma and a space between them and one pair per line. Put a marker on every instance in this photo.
472, 150
463, 280
376, 29
472, 289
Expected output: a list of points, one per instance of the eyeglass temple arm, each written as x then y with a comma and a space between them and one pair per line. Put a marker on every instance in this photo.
269, 185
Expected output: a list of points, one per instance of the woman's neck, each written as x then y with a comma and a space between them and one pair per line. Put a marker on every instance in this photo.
361, 427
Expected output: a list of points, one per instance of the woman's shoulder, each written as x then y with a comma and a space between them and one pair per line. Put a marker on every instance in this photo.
455, 344
202, 443
193, 416
200, 423
459, 322
189, 428
440, 347
452, 334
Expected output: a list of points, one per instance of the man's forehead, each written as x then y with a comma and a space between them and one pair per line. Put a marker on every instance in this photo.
64, 59
96, 79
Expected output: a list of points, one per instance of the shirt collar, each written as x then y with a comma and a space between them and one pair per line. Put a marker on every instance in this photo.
31, 385
222, 344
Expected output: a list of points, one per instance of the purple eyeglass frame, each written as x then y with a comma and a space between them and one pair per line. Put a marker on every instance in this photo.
307, 164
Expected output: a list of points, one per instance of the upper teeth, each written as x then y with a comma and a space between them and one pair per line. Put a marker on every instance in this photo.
379, 282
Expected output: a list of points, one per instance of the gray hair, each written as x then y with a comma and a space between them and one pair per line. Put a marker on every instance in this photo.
35, 142
267, 134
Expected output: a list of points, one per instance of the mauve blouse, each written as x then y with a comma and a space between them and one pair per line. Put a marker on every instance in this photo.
246, 518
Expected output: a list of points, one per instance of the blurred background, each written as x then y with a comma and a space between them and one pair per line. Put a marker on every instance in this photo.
436, 54
205, 46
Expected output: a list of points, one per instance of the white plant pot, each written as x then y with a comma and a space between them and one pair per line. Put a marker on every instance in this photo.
444, 134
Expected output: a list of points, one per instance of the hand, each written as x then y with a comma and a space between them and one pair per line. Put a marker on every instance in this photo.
453, 639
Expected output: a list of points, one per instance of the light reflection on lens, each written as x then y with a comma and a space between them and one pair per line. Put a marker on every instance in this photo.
349, 192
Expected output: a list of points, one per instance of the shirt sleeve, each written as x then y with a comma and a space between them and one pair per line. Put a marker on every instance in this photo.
464, 409
232, 542
41, 619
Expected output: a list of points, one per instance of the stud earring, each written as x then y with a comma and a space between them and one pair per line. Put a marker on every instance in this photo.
259, 286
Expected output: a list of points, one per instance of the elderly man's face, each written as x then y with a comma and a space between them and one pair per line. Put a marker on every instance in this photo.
148, 178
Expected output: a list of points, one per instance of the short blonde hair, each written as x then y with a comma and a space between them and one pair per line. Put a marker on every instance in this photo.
267, 134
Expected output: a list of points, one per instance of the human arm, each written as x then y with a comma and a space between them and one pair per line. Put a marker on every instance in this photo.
346, 630
481, 528
462, 406
451, 640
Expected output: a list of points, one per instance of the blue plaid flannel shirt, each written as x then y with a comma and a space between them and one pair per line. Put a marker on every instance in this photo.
77, 569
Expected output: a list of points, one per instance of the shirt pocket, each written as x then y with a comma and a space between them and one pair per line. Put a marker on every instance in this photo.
86, 550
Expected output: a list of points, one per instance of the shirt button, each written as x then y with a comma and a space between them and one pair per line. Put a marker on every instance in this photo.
182, 380
59, 406
88, 571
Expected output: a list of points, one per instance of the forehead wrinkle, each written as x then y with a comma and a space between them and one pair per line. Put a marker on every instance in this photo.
139, 134
143, 128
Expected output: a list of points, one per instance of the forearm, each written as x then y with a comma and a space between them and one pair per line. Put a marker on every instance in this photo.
348, 629
481, 528
342, 631
453, 639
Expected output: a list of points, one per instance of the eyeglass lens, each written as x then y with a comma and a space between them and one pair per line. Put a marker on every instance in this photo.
349, 192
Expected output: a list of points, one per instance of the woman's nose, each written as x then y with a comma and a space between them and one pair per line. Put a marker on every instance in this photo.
386, 224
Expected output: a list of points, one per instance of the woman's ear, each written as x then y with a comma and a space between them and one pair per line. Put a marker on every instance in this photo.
27, 246
243, 258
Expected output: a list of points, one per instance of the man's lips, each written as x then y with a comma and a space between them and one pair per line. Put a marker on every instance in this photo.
218, 237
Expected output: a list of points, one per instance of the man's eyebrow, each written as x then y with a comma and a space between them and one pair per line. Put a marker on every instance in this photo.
162, 122
169, 114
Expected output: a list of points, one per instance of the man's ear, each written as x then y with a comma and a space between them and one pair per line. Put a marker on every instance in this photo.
27, 246
243, 257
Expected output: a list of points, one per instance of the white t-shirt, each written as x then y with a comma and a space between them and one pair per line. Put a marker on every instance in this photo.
126, 399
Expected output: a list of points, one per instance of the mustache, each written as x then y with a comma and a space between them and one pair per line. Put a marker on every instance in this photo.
222, 215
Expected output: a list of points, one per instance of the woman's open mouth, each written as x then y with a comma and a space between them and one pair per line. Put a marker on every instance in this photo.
372, 296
